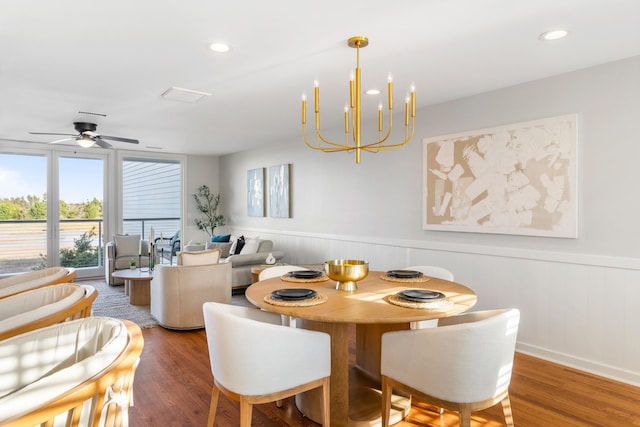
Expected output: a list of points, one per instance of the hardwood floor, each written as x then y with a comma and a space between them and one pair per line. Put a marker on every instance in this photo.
173, 384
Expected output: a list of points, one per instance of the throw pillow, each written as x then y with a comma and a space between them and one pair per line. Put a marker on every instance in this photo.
225, 247
220, 237
211, 256
250, 246
127, 245
237, 246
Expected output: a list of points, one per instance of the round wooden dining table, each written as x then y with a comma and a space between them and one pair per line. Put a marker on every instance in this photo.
355, 395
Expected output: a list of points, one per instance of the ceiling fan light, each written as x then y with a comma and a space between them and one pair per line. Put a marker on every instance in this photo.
85, 141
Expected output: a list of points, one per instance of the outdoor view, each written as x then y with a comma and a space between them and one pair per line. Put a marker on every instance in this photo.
38, 230
24, 231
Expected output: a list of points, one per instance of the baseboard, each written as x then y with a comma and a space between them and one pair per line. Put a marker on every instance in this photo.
606, 371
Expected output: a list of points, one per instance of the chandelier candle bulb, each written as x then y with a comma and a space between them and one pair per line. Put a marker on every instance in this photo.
406, 111
304, 109
413, 101
351, 90
346, 119
380, 117
390, 91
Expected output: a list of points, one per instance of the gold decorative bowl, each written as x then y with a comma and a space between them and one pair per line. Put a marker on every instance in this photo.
346, 272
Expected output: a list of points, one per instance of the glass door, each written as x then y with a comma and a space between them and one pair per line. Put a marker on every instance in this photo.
24, 229
80, 217
51, 211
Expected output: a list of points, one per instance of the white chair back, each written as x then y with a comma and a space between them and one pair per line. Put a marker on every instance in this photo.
466, 359
251, 353
277, 271
433, 271
256, 360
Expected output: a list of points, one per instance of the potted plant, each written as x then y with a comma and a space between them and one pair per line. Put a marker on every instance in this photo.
132, 264
207, 204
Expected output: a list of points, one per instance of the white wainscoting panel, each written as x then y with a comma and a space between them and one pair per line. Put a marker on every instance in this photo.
579, 310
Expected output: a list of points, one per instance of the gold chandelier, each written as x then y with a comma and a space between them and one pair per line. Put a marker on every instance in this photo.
352, 115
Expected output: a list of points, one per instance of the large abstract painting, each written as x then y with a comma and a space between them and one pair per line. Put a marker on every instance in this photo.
279, 191
514, 179
255, 192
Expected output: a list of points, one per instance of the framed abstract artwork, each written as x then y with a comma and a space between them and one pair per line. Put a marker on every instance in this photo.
279, 191
255, 192
513, 179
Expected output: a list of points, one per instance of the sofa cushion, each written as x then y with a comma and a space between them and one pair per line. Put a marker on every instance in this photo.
220, 238
127, 245
250, 246
211, 256
223, 246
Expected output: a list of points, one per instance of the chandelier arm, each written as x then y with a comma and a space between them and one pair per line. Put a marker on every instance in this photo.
408, 136
319, 137
306, 141
334, 148
369, 147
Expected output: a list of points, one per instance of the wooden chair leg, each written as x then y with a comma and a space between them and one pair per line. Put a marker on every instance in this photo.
326, 399
245, 413
506, 409
279, 403
213, 406
386, 401
465, 417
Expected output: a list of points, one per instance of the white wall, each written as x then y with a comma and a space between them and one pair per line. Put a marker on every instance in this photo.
580, 298
198, 170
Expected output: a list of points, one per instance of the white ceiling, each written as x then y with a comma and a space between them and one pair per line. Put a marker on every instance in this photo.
59, 57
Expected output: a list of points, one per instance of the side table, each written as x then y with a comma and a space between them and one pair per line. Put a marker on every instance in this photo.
138, 284
256, 270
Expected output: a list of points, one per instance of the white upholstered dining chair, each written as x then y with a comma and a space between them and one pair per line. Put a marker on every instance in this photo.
254, 359
277, 271
464, 364
433, 271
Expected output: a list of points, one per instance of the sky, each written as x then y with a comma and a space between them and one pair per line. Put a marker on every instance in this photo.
80, 179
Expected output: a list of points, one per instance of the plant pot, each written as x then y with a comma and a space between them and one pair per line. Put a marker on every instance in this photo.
132, 267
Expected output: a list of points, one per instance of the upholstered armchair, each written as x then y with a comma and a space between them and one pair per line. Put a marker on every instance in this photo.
120, 251
82, 375
41, 307
178, 292
35, 279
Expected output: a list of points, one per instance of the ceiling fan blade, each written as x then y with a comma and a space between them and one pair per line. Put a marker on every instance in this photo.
49, 133
63, 139
117, 138
101, 143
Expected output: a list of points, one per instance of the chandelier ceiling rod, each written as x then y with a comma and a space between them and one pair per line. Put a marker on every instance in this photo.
354, 107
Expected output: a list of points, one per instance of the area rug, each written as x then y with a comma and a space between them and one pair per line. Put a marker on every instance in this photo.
112, 302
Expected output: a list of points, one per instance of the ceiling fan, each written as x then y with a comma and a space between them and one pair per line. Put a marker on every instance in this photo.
87, 136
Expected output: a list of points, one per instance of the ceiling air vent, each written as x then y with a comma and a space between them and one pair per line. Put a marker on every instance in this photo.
185, 95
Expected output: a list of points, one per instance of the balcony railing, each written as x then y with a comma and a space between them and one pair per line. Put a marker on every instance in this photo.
23, 243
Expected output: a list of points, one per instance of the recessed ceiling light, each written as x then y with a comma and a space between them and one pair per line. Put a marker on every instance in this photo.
220, 47
553, 35
373, 92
